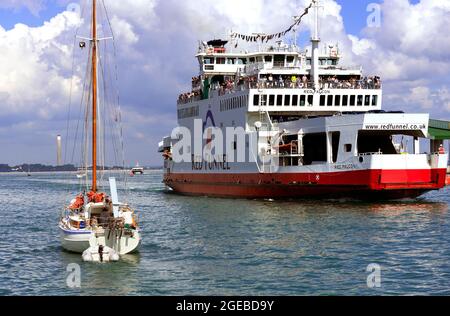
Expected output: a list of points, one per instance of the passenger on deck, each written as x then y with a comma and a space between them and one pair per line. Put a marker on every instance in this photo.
270, 81
293, 81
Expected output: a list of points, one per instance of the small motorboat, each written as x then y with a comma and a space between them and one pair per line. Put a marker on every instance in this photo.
137, 170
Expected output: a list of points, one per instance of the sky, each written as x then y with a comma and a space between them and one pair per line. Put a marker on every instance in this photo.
156, 41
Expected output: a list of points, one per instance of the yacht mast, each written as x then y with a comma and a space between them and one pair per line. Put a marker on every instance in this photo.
94, 95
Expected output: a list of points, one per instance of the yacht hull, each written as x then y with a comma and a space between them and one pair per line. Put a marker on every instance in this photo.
75, 241
78, 241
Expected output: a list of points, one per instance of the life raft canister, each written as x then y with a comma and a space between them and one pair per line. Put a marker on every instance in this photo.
96, 197
77, 203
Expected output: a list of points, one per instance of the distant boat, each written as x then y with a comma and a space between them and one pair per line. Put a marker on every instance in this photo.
137, 170
81, 173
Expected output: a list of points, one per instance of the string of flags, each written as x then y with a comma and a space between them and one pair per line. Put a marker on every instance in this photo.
267, 38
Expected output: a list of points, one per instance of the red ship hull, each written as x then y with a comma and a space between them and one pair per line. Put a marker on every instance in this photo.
365, 184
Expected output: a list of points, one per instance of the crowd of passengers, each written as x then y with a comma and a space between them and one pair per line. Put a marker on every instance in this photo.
304, 82
190, 96
282, 81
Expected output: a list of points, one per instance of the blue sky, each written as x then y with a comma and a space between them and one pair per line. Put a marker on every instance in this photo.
155, 59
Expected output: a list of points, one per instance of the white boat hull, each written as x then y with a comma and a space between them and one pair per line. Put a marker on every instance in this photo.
75, 241
78, 241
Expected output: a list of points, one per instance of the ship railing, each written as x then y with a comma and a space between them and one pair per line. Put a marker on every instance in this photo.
370, 154
188, 98
266, 84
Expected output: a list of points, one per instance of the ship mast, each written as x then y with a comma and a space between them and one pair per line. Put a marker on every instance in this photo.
315, 40
94, 95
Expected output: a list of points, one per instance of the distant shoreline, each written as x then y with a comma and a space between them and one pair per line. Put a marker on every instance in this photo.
39, 168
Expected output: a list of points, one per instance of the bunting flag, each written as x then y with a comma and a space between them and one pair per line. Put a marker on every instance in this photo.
267, 38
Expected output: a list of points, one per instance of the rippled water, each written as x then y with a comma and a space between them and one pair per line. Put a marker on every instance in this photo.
203, 246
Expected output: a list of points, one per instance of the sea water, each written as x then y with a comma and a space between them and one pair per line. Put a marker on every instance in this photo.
207, 246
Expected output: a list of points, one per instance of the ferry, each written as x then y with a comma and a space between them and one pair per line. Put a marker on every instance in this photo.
305, 126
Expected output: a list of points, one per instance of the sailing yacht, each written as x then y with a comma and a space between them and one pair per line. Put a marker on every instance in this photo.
95, 223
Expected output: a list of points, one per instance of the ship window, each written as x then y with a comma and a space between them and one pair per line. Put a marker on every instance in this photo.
337, 100
295, 100
345, 100
322, 100
231, 61
308, 61
373, 142
329, 62
209, 61
348, 148
287, 100
279, 61
264, 100
367, 100
310, 100
271, 100
335, 139
315, 148
330, 100
279, 100
290, 59
375, 100
209, 67
242, 61
302, 100
252, 59
352, 100
268, 59
360, 100
256, 100
220, 61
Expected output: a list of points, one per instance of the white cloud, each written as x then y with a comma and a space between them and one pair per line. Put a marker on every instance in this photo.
34, 64
421, 96
157, 41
